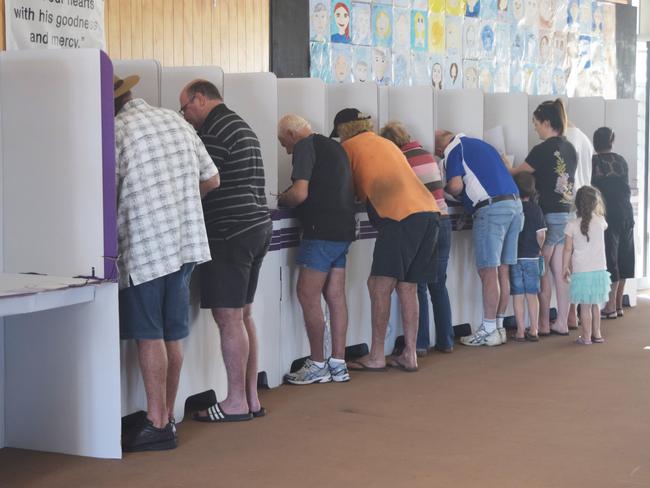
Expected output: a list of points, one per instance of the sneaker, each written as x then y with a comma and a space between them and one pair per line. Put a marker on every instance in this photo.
502, 334
482, 338
146, 437
309, 373
338, 372
172, 422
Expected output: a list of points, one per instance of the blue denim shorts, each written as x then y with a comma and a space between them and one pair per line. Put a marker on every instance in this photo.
524, 277
555, 224
496, 233
322, 255
157, 309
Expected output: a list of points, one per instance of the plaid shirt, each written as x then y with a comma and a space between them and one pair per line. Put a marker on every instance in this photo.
160, 161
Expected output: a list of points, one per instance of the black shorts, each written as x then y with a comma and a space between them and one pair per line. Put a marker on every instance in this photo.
230, 279
405, 250
619, 248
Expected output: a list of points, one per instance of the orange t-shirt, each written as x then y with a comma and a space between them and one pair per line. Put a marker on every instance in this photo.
382, 175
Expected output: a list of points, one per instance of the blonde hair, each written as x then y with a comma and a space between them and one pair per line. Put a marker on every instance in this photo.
396, 133
292, 122
347, 130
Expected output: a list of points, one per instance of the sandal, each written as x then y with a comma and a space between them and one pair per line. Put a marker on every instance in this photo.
581, 341
597, 340
531, 338
216, 414
604, 314
619, 312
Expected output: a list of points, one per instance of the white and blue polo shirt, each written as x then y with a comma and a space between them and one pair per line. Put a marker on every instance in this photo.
483, 172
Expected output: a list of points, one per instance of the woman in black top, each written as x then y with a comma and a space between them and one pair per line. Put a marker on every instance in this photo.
554, 164
610, 175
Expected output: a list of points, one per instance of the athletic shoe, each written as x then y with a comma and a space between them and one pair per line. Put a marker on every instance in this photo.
146, 437
309, 373
482, 338
502, 334
338, 371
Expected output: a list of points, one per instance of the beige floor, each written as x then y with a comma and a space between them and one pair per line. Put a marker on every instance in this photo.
552, 414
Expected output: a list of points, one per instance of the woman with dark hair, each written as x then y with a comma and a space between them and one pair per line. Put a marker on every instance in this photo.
554, 164
610, 175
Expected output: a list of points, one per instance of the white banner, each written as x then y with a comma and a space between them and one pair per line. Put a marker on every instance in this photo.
54, 24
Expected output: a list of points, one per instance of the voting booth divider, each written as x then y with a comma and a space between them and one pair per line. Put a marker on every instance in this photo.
60, 226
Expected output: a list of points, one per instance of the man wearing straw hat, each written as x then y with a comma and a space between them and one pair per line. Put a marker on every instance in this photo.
162, 170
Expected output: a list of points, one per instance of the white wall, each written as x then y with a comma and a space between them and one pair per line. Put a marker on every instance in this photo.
148, 88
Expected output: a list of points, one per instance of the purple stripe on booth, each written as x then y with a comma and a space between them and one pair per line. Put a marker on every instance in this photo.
108, 167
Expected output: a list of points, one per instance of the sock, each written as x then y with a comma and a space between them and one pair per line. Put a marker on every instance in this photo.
336, 361
490, 325
500, 321
320, 365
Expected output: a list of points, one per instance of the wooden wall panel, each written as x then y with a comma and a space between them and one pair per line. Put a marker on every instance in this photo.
233, 34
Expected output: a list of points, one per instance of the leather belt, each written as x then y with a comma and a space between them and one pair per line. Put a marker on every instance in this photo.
498, 198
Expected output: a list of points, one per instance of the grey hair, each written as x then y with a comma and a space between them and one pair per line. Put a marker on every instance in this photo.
292, 122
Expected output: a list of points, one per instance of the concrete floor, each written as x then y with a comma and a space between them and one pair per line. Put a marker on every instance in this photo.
551, 414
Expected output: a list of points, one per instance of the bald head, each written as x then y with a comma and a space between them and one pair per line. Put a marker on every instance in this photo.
443, 138
292, 128
197, 99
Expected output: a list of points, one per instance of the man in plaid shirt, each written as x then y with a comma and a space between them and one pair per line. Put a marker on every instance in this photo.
163, 169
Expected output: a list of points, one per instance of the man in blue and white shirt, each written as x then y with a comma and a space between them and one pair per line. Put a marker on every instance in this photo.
475, 171
162, 169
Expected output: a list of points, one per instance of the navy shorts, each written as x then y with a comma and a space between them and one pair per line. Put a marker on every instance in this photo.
322, 255
157, 309
525, 276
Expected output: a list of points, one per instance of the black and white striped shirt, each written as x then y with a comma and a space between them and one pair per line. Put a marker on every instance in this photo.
239, 204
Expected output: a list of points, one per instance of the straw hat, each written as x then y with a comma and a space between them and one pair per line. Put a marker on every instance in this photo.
121, 86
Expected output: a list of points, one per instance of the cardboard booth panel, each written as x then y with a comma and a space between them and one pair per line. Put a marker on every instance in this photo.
533, 103
459, 111
305, 97
413, 106
362, 96
587, 114
148, 70
173, 80
383, 105
621, 117
254, 96
54, 224
510, 111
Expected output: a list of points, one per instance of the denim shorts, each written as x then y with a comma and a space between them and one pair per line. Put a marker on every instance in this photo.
157, 309
555, 224
496, 233
524, 277
322, 255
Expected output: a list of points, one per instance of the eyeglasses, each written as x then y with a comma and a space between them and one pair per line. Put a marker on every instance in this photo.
182, 110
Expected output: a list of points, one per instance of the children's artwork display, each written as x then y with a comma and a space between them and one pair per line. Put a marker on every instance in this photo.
545, 47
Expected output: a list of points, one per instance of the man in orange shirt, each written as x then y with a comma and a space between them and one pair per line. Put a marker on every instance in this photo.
407, 219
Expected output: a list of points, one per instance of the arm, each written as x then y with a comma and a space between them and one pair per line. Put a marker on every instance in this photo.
208, 174
208, 185
541, 237
295, 194
522, 168
455, 186
566, 258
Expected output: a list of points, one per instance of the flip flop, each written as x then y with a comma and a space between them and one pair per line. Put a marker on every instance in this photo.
619, 312
259, 413
573, 327
531, 337
582, 342
544, 334
555, 332
608, 315
216, 414
518, 339
359, 366
597, 340
394, 363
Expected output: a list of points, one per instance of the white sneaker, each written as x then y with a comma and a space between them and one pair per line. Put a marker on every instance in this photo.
482, 338
502, 334
309, 373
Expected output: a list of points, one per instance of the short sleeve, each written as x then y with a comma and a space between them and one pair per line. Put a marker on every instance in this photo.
570, 228
454, 163
304, 159
536, 156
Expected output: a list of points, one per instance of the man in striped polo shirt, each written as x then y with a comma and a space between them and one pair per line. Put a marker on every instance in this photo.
239, 231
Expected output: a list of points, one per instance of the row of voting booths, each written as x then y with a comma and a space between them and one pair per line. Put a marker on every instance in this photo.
57, 193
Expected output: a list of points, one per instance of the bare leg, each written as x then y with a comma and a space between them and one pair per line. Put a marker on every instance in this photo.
408, 300
533, 312
585, 321
545, 292
153, 364
572, 319
380, 288
251, 365
611, 304
234, 348
174, 364
490, 292
334, 293
309, 290
595, 322
518, 305
619, 294
561, 290
504, 288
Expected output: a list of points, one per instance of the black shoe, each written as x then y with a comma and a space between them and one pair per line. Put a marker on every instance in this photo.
146, 437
